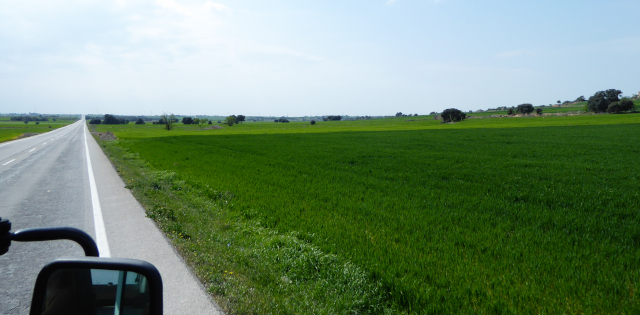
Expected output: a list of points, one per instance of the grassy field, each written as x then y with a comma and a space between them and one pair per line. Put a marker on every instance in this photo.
10, 130
505, 216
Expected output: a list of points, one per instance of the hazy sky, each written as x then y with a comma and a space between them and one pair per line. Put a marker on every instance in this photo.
296, 58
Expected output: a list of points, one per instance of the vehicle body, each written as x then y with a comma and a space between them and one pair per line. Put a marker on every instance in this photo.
91, 284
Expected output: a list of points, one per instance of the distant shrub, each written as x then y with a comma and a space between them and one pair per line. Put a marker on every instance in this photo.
95, 121
539, 111
276, 120
210, 122
510, 111
452, 115
626, 104
313, 122
37, 122
139, 121
614, 108
187, 120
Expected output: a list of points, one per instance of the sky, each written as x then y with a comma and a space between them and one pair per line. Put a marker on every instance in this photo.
308, 58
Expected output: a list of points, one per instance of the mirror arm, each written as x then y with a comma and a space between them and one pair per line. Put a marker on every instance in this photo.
57, 233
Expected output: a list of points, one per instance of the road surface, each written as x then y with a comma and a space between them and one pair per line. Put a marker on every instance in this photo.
46, 180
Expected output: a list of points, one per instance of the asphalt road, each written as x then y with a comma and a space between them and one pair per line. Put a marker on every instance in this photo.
45, 181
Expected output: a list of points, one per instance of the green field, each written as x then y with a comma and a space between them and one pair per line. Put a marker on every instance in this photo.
506, 216
10, 130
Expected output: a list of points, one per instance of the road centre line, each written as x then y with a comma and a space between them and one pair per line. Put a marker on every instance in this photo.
8, 162
32, 150
101, 234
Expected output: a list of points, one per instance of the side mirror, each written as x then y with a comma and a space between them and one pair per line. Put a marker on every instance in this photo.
95, 286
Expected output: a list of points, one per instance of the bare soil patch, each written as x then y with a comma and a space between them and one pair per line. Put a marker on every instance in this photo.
26, 135
107, 136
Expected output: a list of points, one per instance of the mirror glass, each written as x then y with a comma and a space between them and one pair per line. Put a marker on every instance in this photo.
96, 292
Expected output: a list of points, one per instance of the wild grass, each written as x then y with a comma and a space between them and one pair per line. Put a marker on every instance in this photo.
448, 218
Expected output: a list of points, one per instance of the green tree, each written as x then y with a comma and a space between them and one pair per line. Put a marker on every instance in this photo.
187, 120
230, 120
140, 121
240, 118
539, 111
201, 122
168, 120
600, 101
452, 115
525, 108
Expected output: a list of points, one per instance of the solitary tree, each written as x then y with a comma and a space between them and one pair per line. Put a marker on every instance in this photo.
139, 121
452, 115
580, 99
168, 120
313, 122
230, 120
539, 111
525, 108
187, 120
201, 122
240, 118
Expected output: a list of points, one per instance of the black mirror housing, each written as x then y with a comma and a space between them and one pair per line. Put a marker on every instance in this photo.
133, 273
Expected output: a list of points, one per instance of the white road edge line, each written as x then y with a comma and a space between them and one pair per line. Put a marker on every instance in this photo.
8, 162
101, 234
32, 150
